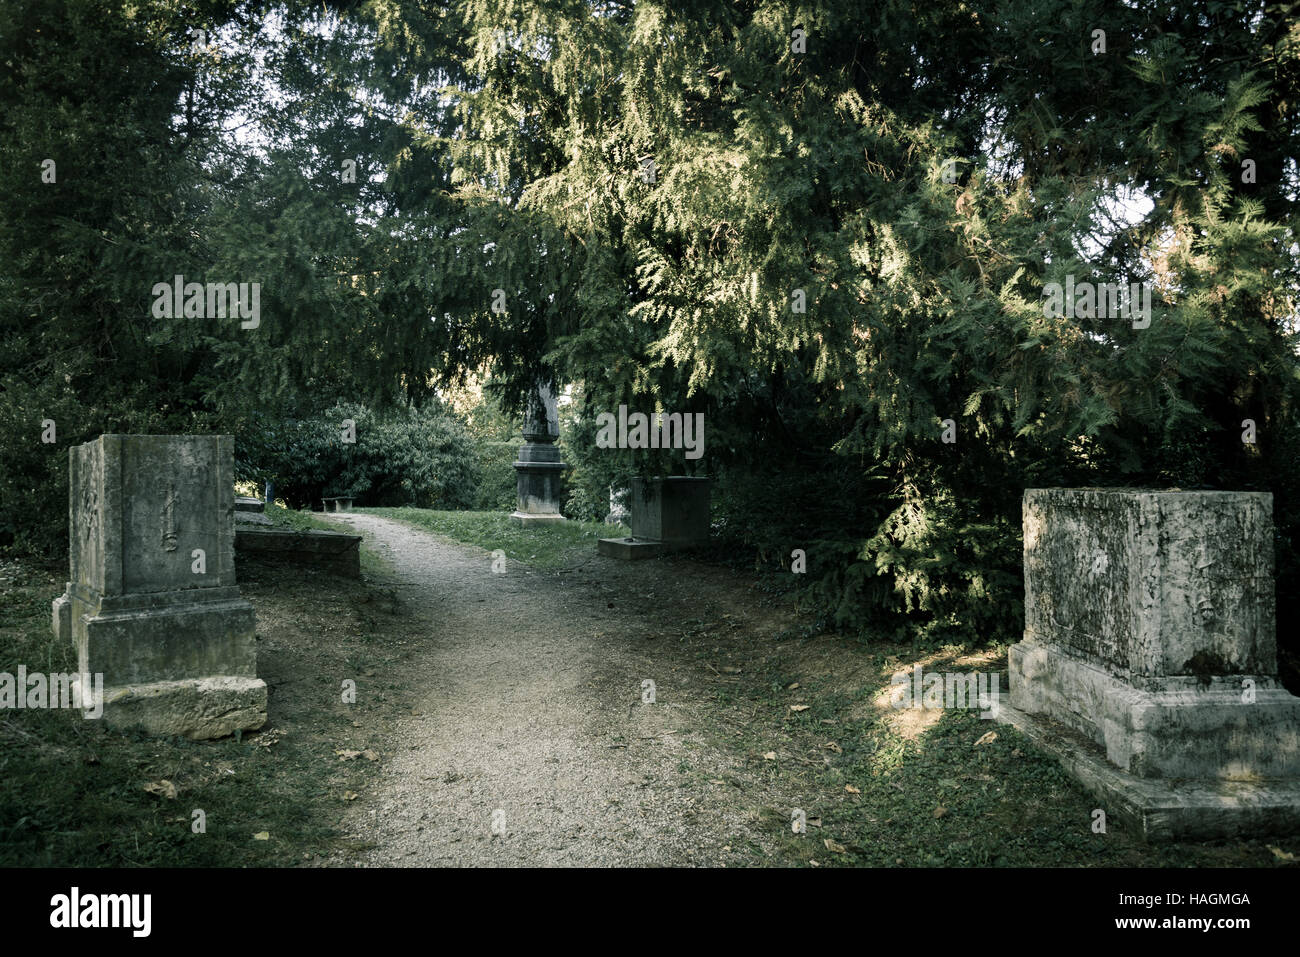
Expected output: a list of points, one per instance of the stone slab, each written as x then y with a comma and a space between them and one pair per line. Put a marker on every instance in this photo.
1165, 809
534, 518
199, 709
334, 552
628, 549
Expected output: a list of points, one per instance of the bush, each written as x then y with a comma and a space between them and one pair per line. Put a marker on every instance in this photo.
34, 473
497, 485
414, 458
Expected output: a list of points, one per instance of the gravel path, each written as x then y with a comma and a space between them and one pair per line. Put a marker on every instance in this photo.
530, 718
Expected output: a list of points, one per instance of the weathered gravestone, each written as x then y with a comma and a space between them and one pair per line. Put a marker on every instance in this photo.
1149, 658
666, 513
152, 603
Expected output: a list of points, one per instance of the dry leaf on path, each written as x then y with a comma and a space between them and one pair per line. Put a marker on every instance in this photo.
987, 738
370, 755
262, 836
346, 755
1280, 854
851, 789
799, 707
770, 756
940, 812
833, 846
162, 788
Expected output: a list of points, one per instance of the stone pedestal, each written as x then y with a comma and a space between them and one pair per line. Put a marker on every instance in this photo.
672, 510
539, 469
1149, 656
666, 513
152, 602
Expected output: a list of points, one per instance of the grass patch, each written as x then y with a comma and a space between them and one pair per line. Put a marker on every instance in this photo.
540, 546
298, 520
960, 792
72, 791
373, 565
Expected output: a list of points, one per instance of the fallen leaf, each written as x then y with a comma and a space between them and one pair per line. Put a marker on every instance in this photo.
813, 862
940, 812
345, 755
851, 789
987, 738
834, 846
370, 755
791, 686
1280, 854
162, 788
831, 745
730, 670
770, 756
799, 707
262, 836
814, 822
349, 795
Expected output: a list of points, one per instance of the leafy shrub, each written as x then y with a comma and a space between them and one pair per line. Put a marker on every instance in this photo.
407, 457
497, 476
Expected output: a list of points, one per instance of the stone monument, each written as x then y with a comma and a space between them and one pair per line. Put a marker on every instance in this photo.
539, 467
1149, 659
152, 603
666, 513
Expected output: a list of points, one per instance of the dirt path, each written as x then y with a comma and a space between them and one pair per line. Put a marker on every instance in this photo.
530, 712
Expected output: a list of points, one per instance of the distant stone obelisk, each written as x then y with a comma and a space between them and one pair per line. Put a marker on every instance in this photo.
539, 466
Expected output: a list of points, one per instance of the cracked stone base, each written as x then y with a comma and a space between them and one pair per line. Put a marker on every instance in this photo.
197, 708
1166, 809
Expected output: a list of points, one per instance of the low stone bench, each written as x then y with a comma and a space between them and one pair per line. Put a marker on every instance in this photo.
333, 552
346, 501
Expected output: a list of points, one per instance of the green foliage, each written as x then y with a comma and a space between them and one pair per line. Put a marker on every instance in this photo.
402, 457
497, 477
499, 146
